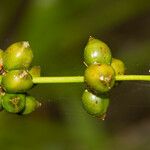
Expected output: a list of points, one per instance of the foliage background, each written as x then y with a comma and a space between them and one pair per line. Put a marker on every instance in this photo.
58, 31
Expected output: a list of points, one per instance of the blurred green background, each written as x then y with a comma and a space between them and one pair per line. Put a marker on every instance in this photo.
58, 31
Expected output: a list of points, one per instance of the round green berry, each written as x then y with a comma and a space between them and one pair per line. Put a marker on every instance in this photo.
17, 81
17, 56
30, 105
13, 103
96, 51
35, 71
118, 66
100, 78
95, 105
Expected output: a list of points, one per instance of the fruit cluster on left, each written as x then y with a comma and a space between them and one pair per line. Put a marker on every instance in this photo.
16, 79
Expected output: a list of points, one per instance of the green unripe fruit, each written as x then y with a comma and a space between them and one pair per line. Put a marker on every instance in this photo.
96, 52
13, 103
30, 105
17, 56
35, 71
17, 81
100, 78
95, 105
118, 66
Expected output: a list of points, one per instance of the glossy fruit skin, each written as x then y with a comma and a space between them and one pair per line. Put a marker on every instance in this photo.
100, 78
13, 103
18, 56
30, 105
95, 105
118, 66
96, 51
35, 71
17, 81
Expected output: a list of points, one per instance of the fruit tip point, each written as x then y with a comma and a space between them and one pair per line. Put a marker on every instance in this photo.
91, 38
26, 44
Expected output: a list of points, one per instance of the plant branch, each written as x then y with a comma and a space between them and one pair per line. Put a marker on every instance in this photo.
80, 79
133, 77
68, 79
77, 79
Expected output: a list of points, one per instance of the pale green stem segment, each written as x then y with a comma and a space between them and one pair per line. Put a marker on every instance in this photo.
77, 79
80, 79
69, 79
133, 77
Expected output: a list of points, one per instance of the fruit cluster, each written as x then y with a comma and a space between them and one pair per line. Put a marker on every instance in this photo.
99, 76
17, 75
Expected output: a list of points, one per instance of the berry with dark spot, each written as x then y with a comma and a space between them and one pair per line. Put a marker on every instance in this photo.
13, 103
96, 52
17, 56
100, 78
95, 105
17, 81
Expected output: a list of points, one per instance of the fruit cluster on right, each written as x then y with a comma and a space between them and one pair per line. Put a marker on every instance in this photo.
99, 77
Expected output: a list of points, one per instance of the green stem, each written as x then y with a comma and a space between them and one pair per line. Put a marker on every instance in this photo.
133, 77
77, 79
69, 79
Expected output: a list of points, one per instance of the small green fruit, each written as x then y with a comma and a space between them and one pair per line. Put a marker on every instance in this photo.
13, 103
118, 66
17, 81
100, 78
96, 52
17, 56
35, 71
95, 105
30, 105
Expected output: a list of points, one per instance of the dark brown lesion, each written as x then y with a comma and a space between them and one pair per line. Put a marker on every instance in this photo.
91, 38
106, 80
2, 91
15, 102
2, 71
23, 74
